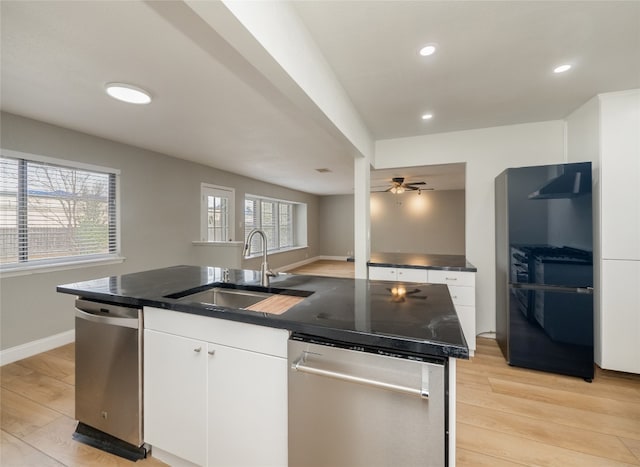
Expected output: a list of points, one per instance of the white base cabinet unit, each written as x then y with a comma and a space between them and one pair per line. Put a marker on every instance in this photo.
215, 391
380, 273
462, 288
620, 315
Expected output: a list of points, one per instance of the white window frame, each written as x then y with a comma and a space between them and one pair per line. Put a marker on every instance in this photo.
207, 190
67, 262
299, 224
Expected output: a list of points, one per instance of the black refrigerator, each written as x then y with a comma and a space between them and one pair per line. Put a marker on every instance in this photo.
544, 268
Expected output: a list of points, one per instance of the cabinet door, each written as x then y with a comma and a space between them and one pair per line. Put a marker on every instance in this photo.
247, 408
377, 273
412, 275
620, 316
175, 395
620, 175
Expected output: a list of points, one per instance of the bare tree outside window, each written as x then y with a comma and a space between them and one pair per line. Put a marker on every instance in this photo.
61, 212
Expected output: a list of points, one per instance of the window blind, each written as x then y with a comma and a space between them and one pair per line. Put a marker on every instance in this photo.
274, 217
50, 212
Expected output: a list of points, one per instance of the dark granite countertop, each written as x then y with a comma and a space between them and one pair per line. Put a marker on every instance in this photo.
355, 311
422, 261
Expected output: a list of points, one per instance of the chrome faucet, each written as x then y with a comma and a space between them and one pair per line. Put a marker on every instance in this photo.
265, 272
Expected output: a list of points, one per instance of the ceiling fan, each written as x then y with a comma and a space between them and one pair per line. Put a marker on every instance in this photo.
398, 186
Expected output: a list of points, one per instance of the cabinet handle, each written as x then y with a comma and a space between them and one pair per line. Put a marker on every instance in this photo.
198, 349
211, 352
450, 278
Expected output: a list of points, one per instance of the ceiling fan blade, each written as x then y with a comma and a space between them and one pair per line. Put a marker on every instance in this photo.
417, 183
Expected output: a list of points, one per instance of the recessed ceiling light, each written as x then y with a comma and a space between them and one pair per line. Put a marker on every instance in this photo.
427, 50
562, 68
427, 116
128, 93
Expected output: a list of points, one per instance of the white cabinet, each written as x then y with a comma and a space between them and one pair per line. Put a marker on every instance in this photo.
175, 382
213, 387
462, 288
620, 316
605, 130
620, 175
398, 274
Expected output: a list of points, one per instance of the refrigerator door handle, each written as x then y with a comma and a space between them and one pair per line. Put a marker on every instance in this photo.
551, 288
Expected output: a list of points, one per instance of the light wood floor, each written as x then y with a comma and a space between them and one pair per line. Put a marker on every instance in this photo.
506, 416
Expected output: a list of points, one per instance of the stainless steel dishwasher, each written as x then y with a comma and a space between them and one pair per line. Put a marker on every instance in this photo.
356, 406
109, 378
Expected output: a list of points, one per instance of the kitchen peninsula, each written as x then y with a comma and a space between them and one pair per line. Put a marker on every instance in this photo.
215, 376
452, 270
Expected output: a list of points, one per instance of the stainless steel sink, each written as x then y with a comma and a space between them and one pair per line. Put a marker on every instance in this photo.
231, 298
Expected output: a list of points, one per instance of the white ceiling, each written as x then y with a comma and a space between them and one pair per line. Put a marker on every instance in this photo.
492, 67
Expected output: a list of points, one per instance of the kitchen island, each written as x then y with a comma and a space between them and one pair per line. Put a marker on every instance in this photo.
414, 324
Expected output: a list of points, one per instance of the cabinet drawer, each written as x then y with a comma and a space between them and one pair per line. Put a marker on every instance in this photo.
462, 295
413, 275
377, 273
467, 279
270, 341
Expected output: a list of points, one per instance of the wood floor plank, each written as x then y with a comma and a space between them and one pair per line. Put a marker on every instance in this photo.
49, 364
20, 416
12, 371
599, 388
67, 352
546, 432
528, 452
633, 445
16, 453
568, 416
625, 409
466, 458
329, 268
55, 440
45, 390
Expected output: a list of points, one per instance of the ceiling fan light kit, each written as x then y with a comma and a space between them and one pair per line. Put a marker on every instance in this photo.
399, 186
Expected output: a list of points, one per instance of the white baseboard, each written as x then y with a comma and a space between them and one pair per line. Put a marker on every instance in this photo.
288, 267
13, 354
332, 258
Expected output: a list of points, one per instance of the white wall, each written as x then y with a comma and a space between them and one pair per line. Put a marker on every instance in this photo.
487, 152
160, 218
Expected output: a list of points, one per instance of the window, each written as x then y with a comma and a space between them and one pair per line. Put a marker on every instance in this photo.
52, 212
216, 213
283, 222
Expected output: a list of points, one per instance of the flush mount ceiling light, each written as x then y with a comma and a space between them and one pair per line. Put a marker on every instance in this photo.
427, 116
427, 50
562, 68
128, 93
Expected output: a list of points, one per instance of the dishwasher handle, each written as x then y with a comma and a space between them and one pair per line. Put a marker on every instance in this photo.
103, 313
423, 392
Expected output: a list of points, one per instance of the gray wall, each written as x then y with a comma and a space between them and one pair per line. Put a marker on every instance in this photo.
336, 225
159, 215
433, 222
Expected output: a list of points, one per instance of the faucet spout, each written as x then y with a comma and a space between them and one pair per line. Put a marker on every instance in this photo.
265, 272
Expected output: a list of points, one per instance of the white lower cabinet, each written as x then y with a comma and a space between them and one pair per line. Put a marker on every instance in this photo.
212, 403
398, 274
462, 288
620, 316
